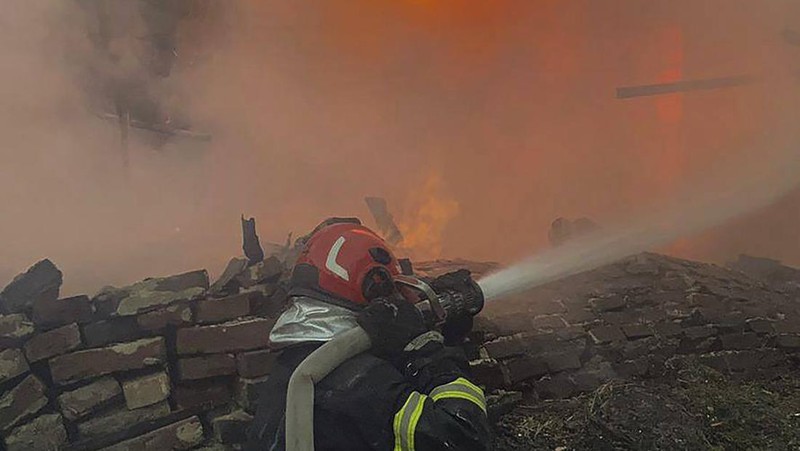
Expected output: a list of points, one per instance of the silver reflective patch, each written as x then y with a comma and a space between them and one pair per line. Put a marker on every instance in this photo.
310, 320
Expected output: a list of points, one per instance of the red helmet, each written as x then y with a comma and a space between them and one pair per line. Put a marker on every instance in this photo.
344, 263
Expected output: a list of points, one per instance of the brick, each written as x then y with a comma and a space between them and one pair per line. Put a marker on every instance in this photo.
181, 435
558, 387
97, 362
547, 308
242, 335
206, 366
227, 284
22, 401
49, 313
606, 334
41, 281
202, 394
789, 326
620, 318
220, 310
488, 373
608, 303
636, 331
562, 361
146, 390
256, 363
570, 333
579, 317
788, 341
150, 294
177, 315
12, 364
503, 347
81, 402
46, 432
53, 343
698, 332
585, 381
267, 300
120, 419
268, 270
549, 322
739, 341
524, 368
115, 330
760, 326
668, 329
249, 391
14, 329
231, 429
512, 324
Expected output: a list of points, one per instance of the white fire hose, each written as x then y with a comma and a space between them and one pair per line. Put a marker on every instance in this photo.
300, 394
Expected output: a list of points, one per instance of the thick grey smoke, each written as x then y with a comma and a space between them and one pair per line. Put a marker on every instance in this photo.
509, 106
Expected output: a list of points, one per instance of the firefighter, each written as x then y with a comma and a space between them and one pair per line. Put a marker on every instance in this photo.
410, 392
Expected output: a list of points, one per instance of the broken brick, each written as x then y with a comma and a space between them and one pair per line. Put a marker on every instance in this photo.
562, 361
240, 335
151, 294
80, 402
46, 432
524, 368
14, 329
97, 362
608, 304
256, 363
231, 429
249, 391
146, 390
179, 314
219, 310
206, 366
12, 364
181, 435
115, 330
49, 313
41, 282
635, 331
739, 341
760, 325
788, 341
120, 419
698, 332
548, 322
53, 343
668, 329
606, 334
503, 347
202, 394
22, 401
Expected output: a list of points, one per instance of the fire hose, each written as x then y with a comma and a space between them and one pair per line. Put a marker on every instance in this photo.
436, 308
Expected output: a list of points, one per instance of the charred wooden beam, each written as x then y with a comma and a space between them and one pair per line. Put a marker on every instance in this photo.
628, 92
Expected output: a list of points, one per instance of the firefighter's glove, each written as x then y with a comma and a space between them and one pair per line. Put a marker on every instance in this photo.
456, 329
391, 325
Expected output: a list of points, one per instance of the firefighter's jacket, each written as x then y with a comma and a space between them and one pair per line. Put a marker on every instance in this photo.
421, 402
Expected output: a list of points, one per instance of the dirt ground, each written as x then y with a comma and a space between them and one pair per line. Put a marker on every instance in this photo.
694, 408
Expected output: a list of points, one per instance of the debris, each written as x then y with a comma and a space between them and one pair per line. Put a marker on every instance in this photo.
250, 244
41, 282
384, 220
628, 92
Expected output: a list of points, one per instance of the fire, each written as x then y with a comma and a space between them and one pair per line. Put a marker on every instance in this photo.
426, 218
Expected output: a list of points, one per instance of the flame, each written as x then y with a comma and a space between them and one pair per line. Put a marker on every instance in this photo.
424, 222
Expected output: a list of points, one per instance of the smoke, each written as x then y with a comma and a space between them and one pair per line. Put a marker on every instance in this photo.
509, 105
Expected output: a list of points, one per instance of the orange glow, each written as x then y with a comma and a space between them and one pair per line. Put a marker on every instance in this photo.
424, 222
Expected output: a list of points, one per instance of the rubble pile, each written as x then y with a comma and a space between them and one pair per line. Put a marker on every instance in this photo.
166, 363
637, 319
177, 362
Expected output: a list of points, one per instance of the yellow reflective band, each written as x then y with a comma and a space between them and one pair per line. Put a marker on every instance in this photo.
461, 389
405, 422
